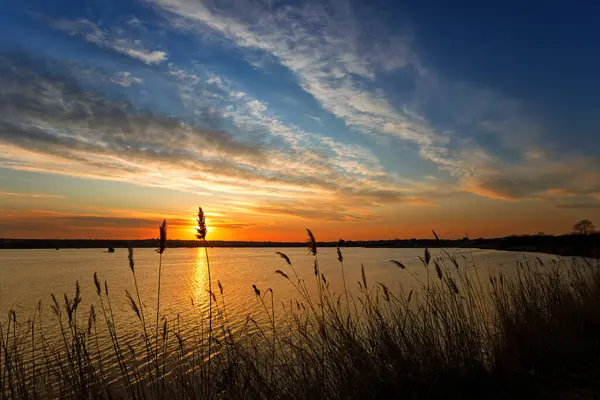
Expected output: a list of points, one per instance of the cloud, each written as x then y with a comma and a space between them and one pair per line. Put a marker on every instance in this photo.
492, 144
125, 79
579, 206
316, 119
322, 212
33, 195
313, 156
325, 50
227, 225
515, 187
153, 57
112, 224
110, 39
57, 119
542, 177
40, 223
50, 123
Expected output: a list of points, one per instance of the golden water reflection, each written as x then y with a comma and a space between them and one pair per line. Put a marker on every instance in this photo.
200, 294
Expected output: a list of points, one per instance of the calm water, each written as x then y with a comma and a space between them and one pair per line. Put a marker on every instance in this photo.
28, 276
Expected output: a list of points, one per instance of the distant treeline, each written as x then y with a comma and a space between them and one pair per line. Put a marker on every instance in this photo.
567, 245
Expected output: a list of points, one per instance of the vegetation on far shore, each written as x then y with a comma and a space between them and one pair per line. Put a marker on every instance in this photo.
575, 245
459, 335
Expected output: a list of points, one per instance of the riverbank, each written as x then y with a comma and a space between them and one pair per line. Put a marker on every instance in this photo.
564, 245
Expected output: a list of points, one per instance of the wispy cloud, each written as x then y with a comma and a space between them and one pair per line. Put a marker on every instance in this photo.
327, 55
111, 39
303, 153
580, 206
542, 177
316, 119
51, 124
32, 195
125, 79
40, 223
335, 59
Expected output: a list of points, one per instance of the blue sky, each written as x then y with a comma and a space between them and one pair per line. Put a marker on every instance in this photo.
392, 117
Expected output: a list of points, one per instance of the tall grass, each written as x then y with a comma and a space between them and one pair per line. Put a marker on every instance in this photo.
201, 232
456, 335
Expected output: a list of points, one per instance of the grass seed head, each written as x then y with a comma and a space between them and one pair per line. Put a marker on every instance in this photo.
201, 229
162, 243
311, 243
130, 258
284, 256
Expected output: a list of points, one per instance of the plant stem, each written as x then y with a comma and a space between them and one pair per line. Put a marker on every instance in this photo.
210, 332
157, 318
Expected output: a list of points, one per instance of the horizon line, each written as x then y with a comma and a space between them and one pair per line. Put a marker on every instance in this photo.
464, 238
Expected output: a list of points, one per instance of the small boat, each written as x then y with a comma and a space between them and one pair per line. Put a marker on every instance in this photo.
111, 250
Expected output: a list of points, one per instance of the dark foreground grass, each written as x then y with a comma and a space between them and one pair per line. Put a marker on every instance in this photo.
458, 336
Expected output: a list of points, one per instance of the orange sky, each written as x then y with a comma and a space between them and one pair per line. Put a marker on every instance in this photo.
61, 216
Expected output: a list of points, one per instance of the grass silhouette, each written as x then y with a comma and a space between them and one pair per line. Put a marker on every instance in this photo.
455, 336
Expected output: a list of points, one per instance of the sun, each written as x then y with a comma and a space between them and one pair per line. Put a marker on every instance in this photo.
211, 230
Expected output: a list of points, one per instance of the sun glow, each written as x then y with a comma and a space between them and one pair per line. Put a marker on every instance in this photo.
213, 232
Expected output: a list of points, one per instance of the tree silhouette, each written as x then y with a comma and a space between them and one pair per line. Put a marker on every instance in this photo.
584, 227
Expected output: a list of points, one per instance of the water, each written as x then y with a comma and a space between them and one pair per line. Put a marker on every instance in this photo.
28, 276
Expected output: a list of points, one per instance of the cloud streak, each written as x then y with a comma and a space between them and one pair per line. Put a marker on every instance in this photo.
32, 195
580, 206
113, 40
38, 223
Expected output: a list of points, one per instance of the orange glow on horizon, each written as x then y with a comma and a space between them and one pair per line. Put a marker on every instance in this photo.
130, 224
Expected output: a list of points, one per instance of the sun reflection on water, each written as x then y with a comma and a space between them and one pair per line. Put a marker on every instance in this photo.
200, 278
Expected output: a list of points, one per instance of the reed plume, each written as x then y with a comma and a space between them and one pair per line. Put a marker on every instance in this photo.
280, 272
398, 264
311, 243
437, 239
340, 258
201, 230
97, 283
133, 304
284, 256
131, 261
162, 241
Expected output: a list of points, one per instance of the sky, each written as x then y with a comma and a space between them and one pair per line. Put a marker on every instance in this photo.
357, 119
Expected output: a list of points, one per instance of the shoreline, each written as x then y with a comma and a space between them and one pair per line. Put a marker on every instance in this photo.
565, 245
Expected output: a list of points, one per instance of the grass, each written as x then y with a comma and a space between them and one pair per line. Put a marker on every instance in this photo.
458, 335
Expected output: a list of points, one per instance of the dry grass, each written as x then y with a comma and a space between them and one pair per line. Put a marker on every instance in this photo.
457, 336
